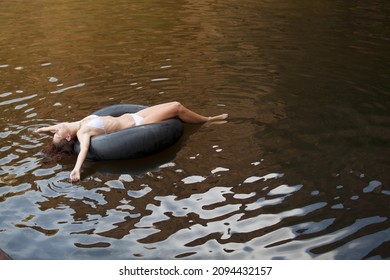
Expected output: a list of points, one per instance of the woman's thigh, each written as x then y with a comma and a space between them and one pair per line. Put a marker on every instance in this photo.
159, 112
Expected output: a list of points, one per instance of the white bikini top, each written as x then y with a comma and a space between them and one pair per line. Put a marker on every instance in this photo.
95, 122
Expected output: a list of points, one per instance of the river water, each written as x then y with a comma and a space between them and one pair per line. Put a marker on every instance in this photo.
299, 171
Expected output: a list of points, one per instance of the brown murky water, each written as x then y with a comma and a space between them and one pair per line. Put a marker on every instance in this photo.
300, 171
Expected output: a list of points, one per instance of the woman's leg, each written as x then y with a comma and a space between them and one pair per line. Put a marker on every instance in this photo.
174, 109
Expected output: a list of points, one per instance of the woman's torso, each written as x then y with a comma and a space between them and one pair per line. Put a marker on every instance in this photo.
107, 124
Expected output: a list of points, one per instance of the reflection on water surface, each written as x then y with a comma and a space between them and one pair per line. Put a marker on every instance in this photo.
300, 171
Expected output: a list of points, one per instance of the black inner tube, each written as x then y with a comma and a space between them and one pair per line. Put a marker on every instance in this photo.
133, 142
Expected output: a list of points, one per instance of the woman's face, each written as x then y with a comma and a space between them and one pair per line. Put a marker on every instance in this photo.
61, 133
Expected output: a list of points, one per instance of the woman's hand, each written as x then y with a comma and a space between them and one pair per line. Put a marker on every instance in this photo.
75, 175
38, 130
84, 138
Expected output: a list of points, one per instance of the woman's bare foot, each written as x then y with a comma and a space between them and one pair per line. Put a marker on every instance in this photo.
217, 118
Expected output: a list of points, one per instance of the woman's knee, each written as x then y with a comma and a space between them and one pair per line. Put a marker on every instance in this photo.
176, 106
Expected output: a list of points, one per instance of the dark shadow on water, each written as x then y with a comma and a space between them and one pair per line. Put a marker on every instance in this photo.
141, 165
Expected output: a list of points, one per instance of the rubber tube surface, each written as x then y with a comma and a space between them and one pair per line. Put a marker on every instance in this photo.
133, 142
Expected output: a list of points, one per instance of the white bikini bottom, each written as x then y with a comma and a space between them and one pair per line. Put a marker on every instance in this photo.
137, 119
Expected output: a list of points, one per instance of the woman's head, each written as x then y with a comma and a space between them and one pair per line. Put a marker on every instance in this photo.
63, 133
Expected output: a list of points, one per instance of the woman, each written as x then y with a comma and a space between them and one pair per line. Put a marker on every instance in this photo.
96, 125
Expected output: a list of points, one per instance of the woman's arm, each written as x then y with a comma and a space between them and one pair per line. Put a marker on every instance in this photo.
52, 128
84, 139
